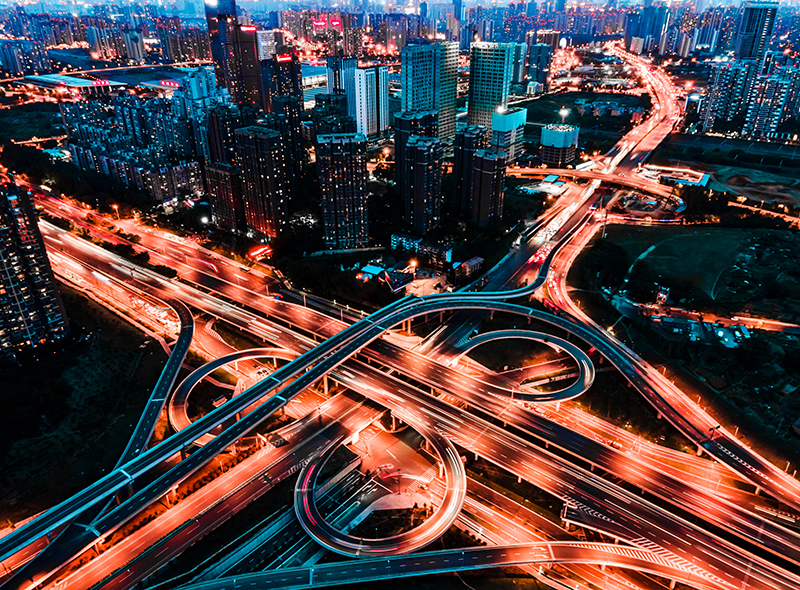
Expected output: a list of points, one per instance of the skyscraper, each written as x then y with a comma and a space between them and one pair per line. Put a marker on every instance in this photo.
539, 58
342, 168
372, 100
280, 75
755, 29
487, 186
429, 75
261, 157
31, 311
519, 63
423, 156
490, 69
468, 140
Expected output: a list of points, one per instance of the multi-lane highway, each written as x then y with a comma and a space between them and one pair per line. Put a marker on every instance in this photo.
708, 560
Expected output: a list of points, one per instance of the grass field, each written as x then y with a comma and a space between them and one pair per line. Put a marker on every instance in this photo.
31, 120
69, 418
691, 258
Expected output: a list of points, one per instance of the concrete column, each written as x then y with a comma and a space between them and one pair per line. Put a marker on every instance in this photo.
699, 451
325, 384
394, 422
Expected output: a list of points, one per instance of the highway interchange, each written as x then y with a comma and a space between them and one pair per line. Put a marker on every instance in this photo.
654, 518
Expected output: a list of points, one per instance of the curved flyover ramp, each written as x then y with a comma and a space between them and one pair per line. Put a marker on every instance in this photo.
332, 538
178, 404
459, 560
585, 365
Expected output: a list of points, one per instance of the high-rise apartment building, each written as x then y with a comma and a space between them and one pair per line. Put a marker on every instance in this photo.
342, 79
727, 93
372, 100
490, 69
488, 186
468, 140
755, 29
342, 169
31, 311
224, 189
766, 105
429, 76
406, 125
222, 121
261, 158
423, 163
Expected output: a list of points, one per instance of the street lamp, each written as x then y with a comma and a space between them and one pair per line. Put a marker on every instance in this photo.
116, 208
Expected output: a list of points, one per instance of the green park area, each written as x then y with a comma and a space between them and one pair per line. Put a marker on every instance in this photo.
26, 121
69, 417
724, 271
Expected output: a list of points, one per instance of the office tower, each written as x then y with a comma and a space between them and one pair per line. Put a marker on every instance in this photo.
429, 76
222, 121
342, 169
218, 11
458, 10
539, 58
518, 64
508, 132
423, 10
406, 125
342, 79
531, 9
329, 115
726, 94
234, 50
755, 29
490, 81
767, 104
558, 144
224, 189
487, 186
245, 85
423, 186
372, 100
31, 311
261, 158
468, 140
281, 74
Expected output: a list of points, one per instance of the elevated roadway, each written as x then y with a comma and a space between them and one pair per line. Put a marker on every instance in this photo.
457, 560
585, 365
330, 537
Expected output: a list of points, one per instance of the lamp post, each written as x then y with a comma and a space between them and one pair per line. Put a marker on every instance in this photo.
116, 209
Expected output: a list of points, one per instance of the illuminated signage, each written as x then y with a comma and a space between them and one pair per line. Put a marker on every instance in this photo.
320, 23
248, 28
283, 58
170, 83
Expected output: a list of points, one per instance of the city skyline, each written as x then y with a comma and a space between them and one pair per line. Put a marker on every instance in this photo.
324, 295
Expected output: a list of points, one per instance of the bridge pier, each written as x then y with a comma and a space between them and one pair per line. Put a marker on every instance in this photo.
699, 451
325, 384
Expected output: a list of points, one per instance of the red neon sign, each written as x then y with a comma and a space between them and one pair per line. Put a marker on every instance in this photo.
248, 28
283, 58
319, 23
